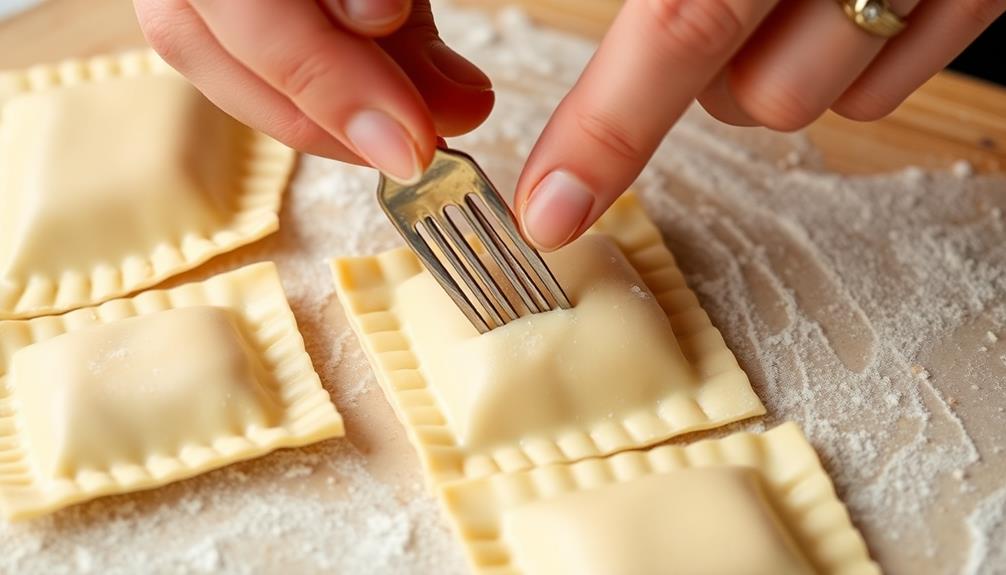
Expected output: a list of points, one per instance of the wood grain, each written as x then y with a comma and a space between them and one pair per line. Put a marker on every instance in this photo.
59, 29
950, 118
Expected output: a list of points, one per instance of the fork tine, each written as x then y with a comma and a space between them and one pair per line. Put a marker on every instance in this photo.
444, 278
501, 212
421, 213
528, 291
502, 303
449, 251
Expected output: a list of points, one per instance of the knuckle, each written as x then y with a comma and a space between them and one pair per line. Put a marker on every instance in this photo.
425, 29
161, 29
418, 24
708, 27
604, 129
296, 131
863, 104
298, 77
983, 12
778, 106
421, 11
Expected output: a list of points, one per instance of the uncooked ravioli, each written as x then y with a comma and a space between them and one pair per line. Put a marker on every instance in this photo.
634, 362
758, 504
139, 392
116, 173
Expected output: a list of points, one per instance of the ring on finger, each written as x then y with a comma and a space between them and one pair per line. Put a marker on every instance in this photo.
874, 16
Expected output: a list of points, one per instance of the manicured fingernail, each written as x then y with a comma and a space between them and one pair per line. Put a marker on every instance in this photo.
373, 12
456, 68
385, 144
556, 209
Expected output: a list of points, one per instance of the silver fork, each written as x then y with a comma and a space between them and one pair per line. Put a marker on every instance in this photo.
422, 213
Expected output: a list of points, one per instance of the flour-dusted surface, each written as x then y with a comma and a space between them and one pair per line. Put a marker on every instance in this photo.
870, 310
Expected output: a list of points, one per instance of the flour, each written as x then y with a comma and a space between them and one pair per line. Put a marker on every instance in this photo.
987, 527
962, 169
845, 299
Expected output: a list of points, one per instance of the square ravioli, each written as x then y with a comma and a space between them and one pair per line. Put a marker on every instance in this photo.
759, 504
634, 362
140, 392
116, 173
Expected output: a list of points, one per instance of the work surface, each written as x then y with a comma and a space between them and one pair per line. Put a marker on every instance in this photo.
869, 309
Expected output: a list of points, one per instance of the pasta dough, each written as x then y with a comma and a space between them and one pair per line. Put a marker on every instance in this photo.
137, 387
675, 523
140, 392
534, 373
634, 362
116, 173
753, 504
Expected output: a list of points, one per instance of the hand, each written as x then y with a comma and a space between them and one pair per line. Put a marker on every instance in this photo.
779, 64
363, 81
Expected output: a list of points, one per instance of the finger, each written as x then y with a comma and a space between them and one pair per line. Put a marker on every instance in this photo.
656, 58
369, 17
457, 93
913, 57
719, 101
178, 34
804, 57
344, 83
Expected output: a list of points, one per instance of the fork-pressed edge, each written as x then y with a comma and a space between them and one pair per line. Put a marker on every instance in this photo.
454, 180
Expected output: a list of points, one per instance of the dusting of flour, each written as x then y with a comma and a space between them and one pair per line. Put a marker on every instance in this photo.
870, 310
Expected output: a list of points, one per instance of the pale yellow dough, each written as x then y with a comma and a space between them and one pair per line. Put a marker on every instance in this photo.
613, 352
634, 362
698, 521
748, 503
140, 392
115, 173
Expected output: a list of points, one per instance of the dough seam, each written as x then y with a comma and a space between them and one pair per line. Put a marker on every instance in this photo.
365, 286
799, 490
254, 295
261, 175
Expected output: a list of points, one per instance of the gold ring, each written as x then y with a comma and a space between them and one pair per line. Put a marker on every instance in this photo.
874, 16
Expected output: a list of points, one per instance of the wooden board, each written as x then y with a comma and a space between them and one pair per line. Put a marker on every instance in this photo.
948, 119
951, 118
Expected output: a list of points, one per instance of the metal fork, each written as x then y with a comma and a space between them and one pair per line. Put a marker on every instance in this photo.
422, 214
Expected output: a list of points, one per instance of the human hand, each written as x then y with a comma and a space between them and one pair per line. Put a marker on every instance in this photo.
363, 81
773, 63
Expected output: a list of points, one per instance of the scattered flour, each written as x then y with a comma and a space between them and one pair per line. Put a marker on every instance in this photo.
987, 527
962, 169
844, 299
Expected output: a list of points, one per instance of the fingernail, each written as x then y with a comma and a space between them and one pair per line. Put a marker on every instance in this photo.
373, 12
556, 209
385, 144
457, 68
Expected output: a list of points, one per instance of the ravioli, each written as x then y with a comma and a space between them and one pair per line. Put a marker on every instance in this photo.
140, 392
634, 362
747, 503
115, 173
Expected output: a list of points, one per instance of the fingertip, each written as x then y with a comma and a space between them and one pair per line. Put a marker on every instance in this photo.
456, 68
719, 102
776, 103
425, 141
557, 210
373, 18
462, 98
860, 103
457, 116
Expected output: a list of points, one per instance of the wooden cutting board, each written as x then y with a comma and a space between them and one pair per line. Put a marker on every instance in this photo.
951, 118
